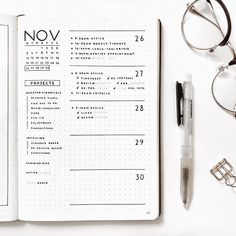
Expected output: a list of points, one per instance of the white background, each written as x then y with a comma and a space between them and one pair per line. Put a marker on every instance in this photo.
213, 210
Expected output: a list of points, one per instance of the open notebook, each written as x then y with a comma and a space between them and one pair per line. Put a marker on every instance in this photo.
82, 96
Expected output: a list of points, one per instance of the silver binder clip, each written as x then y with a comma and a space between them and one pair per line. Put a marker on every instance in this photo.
223, 172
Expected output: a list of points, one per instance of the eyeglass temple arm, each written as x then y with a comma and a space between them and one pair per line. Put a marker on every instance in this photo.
196, 12
226, 38
224, 42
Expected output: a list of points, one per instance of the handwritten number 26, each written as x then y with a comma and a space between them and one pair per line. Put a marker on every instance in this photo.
139, 38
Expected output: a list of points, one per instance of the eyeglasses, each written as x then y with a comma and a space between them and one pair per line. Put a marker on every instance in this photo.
206, 26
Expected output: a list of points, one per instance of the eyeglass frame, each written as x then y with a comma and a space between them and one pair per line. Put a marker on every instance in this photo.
224, 42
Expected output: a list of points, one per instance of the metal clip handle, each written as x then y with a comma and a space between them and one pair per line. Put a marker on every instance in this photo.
223, 171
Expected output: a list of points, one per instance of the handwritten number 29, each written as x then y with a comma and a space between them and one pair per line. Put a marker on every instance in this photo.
139, 142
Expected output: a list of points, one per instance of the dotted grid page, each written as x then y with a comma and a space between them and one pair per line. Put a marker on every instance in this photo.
88, 119
8, 116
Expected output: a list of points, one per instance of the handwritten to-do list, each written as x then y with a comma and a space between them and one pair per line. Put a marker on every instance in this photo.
89, 96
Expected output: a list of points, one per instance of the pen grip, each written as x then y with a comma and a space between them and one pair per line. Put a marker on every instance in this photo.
186, 182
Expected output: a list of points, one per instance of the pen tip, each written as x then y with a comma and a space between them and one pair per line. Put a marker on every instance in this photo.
185, 203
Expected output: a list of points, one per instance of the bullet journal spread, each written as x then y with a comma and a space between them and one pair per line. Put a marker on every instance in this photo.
80, 108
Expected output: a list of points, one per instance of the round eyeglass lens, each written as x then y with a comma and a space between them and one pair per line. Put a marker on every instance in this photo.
204, 24
224, 88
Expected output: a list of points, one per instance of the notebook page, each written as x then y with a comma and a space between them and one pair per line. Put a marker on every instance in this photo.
8, 115
88, 119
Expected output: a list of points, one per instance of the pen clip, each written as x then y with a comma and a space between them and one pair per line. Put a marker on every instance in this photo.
179, 97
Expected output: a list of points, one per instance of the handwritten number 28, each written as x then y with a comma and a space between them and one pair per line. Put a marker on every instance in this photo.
139, 108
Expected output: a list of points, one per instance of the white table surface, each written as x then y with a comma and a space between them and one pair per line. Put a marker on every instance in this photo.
213, 210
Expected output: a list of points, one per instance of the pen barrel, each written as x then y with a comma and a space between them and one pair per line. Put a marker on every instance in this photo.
186, 150
186, 176
187, 114
186, 180
187, 131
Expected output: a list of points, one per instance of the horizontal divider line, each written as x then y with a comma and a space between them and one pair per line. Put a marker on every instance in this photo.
107, 134
108, 169
75, 100
109, 65
43, 45
107, 204
103, 30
